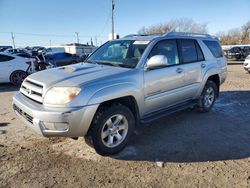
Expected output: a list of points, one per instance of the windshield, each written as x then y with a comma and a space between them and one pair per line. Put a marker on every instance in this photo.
122, 53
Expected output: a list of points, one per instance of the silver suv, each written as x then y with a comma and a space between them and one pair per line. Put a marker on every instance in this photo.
125, 82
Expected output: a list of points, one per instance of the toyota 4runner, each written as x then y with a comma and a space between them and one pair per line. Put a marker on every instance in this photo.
125, 82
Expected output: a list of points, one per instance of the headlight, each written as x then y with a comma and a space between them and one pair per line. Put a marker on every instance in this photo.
61, 95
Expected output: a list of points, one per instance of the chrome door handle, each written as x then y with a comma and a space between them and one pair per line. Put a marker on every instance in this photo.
179, 70
203, 65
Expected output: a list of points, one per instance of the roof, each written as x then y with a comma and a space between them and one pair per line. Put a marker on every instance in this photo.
170, 35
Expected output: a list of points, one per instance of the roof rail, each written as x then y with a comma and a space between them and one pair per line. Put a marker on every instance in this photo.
136, 35
187, 34
131, 35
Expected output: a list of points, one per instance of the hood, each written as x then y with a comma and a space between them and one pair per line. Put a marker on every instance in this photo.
74, 75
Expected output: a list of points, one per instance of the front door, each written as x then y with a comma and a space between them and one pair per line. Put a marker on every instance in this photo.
6, 67
163, 86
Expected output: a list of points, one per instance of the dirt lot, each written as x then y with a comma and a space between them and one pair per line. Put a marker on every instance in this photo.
197, 150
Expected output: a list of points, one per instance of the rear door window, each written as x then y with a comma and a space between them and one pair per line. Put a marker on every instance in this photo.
190, 51
214, 48
5, 58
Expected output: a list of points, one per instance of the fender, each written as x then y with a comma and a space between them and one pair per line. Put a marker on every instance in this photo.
116, 91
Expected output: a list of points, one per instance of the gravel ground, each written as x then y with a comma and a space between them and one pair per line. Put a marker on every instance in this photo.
186, 149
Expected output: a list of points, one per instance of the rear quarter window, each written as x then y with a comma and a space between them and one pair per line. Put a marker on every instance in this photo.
214, 48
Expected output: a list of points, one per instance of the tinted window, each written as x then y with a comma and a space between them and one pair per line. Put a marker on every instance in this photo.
214, 47
246, 48
188, 50
23, 55
167, 48
5, 58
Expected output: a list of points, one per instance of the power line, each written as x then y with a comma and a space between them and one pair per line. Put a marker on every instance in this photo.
49, 35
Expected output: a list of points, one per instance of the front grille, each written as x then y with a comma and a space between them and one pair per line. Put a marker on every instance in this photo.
32, 90
26, 116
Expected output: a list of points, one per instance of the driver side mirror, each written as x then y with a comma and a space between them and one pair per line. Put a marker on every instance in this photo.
156, 62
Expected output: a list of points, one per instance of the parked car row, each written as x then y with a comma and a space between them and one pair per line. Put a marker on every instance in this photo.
16, 64
237, 52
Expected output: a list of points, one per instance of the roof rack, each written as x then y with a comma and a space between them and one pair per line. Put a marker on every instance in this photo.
136, 35
187, 34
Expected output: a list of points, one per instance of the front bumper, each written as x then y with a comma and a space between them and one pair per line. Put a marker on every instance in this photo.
37, 116
247, 66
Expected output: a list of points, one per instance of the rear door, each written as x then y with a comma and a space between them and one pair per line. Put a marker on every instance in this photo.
63, 59
194, 64
7, 65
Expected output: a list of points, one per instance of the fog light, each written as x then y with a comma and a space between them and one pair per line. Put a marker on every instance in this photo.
56, 126
61, 126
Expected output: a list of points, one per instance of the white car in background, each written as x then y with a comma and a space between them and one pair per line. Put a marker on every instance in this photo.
247, 63
15, 69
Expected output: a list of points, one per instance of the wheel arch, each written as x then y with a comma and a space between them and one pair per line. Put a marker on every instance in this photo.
128, 101
216, 79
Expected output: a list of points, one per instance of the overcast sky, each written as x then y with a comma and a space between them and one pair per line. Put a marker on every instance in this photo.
36, 22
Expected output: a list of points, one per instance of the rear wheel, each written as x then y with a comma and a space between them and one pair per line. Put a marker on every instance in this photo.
17, 77
111, 129
208, 97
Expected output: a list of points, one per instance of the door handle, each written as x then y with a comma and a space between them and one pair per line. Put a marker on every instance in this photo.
203, 65
179, 70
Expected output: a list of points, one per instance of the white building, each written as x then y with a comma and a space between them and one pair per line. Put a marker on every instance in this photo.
79, 48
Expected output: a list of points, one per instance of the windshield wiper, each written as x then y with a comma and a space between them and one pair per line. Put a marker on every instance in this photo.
90, 61
108, 63
126, 66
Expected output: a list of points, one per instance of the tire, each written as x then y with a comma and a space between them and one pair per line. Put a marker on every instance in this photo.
111, 128
208, 97
42, 66
17, 77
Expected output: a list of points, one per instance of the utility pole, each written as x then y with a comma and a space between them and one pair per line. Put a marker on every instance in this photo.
50, 43
112, 19
91, 41
77, 37
95, 40
13, 40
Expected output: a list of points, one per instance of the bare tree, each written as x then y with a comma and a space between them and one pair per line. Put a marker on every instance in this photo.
246, 33
179, 25
231, 37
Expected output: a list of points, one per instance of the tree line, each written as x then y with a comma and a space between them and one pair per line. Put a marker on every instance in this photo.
233, 36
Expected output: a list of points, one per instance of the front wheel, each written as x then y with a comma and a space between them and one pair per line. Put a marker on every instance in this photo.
111, 129
208, 97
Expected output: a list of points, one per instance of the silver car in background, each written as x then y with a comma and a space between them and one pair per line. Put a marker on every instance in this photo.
247, 64
125, 82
